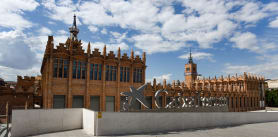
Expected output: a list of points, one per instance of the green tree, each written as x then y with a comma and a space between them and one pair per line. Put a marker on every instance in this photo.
271, 97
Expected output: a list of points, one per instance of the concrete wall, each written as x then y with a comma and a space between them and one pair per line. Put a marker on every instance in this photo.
33, 122
89, 121
119, 123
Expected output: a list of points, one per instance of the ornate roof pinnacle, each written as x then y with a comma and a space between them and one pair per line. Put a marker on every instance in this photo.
190, 59
73, 30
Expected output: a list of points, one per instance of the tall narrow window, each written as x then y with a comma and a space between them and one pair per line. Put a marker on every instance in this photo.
110, 73
124, 74
66, 68
79, 70
96, 68
107, 73
91, 71
134, 75
138, 75
55, 67
83, 70
99, 71
121, 74
60, 68
114, 73
127, 75
74, 69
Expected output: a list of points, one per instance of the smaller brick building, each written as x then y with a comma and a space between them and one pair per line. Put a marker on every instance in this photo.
25, 94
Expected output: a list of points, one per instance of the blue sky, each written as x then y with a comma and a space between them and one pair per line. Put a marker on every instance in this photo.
226, 37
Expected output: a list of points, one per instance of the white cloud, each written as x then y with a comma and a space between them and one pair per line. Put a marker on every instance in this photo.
93, 28
12, 13
12, 46
250, 13
152, 43
62, 32
249, 41
10, 74
45, 31
198, 56
104, 31
205, 22
246, 40
274, 23
268, 69
62, 10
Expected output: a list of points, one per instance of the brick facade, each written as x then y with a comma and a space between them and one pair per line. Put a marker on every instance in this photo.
80, 79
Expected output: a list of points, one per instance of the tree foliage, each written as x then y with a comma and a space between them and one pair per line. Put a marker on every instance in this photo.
271, 97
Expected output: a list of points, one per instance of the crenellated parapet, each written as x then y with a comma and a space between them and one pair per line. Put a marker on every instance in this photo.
245, 84
74, 47
25, 84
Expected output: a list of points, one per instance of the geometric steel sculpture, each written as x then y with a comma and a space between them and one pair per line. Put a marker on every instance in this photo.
135, 94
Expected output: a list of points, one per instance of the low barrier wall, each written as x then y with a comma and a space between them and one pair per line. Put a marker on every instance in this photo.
119, 123
34, 122
39, 121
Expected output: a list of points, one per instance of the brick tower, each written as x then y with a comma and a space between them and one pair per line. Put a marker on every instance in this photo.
190, 72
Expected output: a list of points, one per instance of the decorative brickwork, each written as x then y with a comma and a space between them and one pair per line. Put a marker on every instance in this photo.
69, 71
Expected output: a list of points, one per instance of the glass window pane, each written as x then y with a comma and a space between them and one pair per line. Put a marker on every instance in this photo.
79, 70
127, 75
60, 68
66, 66
91, 71
55, 67
107, 73
138, 76
110, 73
96, 68
78, 102
110, 103
124, 74
95, 103
134, 75
59, 101
114, 73
74, 69
121, 74
83, 70
99, 72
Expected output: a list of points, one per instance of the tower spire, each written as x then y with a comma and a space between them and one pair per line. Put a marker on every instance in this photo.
73, 30
190, 59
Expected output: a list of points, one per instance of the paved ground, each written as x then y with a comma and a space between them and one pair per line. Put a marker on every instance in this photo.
249, 130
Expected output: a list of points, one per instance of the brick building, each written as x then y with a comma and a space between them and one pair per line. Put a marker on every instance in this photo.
73, 78
25, 94
243, 93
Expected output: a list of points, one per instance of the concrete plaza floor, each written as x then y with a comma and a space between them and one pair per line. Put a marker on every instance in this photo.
249, 130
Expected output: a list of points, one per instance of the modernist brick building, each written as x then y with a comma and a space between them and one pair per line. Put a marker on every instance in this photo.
94, 80
72, 78
243, 93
